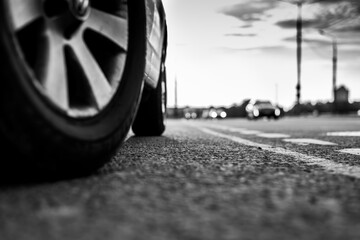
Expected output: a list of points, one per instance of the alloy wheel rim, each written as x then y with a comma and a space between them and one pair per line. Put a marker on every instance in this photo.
76, 49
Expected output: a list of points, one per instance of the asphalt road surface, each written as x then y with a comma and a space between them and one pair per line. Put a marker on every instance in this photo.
295, 178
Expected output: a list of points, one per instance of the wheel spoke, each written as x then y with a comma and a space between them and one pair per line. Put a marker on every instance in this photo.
98, 83
24, 12
55, 79
110, 26
119, 70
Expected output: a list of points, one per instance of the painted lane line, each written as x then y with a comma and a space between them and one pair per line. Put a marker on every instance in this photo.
344, 134
273, 135
237, 130
355, 151
230, 129
235, 139
327, 165
251, 132
307, 141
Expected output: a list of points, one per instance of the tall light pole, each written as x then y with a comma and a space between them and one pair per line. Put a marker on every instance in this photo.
176, 98
276, 94
299, 4
334, 63
298, 52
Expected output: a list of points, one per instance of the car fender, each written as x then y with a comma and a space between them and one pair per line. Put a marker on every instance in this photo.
156, 37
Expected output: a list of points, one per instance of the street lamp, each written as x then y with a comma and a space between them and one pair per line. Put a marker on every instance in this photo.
334, 62
299, 4
299, 52
176, 111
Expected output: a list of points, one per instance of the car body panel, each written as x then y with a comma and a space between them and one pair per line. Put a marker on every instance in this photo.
260, 108
156, 40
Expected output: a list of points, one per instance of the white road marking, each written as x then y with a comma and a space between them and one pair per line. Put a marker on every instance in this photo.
355, 151
230, 129
237, 130
327, 165
251, 132
273, 135
344, 134
307, 141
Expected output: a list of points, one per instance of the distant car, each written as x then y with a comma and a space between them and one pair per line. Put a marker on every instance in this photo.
190, 113
214, 113
260, 108
76, 76
221, 113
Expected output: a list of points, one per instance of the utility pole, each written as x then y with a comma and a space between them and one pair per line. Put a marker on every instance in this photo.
334, 59
276, 94
299, 52
299, 4
334, 64
176, 99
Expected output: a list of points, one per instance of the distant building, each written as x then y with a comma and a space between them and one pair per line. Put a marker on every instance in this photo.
342, 95
341, 104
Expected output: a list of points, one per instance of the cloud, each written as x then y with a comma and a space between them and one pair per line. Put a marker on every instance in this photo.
268, 48
340, 16
240, 35
246, 26
319, 1
277, 49
324, 43
334, 15
354, 28
318, 42
250, 11
291, 23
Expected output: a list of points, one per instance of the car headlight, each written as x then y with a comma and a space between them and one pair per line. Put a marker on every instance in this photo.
277, 112
249, 107
213, 114
256, 112
223, 114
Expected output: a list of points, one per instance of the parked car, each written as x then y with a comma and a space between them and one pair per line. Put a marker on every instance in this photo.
221, 113
261, 108
214, 113
190, 113
76, 75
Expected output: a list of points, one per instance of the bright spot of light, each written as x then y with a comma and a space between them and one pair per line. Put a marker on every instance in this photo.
223, 114
213, 114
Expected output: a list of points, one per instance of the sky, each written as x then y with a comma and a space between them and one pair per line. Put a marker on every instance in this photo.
224, 51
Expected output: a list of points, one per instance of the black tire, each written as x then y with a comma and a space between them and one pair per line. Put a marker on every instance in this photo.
77, 134
150, 118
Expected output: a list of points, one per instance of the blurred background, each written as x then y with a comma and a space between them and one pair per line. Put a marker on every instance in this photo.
301, 55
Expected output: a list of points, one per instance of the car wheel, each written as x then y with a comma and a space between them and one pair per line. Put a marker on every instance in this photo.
150, 119
72, 73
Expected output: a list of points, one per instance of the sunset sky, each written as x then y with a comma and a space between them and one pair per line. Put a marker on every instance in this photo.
224, 51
